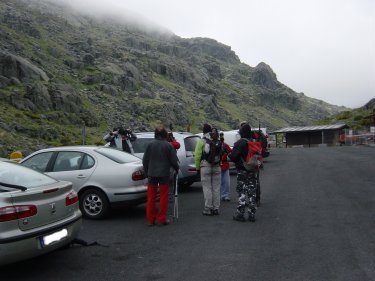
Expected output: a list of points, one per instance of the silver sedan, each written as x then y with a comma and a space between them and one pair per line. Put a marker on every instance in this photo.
37, 213
103, 177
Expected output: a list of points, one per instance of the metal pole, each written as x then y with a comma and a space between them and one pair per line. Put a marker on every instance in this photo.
83, 133
175, 205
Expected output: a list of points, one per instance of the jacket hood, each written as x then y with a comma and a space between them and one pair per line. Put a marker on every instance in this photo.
245, 131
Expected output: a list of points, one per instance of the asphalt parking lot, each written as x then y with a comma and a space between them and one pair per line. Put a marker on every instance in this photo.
316, 222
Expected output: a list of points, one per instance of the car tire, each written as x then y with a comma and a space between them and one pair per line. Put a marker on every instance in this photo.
94, 204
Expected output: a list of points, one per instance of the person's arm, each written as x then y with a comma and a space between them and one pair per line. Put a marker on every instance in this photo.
146, 160
198, 153
235, 155
108, 137
227, 148
175, 144
133, 136
174, 159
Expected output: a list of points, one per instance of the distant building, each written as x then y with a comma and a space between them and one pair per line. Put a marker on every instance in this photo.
309, 136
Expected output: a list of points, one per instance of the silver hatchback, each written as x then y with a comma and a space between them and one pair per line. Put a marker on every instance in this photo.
187, 174
103, 177
38, 214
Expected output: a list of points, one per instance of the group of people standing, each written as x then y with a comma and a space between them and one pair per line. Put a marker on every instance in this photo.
211, 160
215, 177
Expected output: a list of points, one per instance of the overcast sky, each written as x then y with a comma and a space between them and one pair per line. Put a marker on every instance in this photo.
323, 48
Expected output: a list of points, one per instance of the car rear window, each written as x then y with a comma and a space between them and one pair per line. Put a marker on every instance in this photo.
117, 155
18, 175
231, 138
190, 143
140, 144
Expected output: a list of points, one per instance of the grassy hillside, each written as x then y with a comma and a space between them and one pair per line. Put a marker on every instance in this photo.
61, 70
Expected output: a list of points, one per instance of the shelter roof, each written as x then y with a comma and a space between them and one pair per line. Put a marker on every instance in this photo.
311, 128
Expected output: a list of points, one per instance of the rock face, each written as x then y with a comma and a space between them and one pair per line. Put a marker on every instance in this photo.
370, 104
60, 69
264, 76
12, 66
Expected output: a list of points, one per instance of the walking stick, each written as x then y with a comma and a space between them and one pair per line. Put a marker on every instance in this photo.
175, 205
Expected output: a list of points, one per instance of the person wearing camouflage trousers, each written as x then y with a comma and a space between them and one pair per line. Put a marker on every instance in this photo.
246, 181
246, 190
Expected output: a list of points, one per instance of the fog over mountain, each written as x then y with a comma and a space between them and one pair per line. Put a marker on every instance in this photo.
61, 70
324, 49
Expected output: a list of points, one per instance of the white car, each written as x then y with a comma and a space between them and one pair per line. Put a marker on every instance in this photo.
103, 177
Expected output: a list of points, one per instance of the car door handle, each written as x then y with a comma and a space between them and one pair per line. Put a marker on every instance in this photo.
81, 176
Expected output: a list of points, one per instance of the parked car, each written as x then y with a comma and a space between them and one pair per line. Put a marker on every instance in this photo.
38, 214
232, 136
187, 174
103, 177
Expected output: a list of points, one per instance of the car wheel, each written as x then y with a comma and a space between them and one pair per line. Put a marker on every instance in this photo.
94, 204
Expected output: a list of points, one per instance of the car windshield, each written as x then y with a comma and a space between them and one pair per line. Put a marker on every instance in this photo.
117, 155
231, 138
140, 144
15, 174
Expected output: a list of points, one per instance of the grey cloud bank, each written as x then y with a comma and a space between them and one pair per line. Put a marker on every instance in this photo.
323, 48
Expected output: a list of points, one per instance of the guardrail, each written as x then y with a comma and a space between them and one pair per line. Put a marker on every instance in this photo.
360, 139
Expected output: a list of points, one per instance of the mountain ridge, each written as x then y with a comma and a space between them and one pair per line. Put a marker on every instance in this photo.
61, 70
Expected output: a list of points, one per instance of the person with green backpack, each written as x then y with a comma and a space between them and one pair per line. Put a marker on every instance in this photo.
208, 152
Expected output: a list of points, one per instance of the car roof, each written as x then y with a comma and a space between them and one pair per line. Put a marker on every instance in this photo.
152, 134
67, 148
86, 147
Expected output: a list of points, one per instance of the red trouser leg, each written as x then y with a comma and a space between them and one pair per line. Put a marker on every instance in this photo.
151, 198
163, 207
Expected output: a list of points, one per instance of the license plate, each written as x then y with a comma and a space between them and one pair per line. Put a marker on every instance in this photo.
54, 237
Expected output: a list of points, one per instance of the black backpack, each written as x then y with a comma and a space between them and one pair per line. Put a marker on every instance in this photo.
215, 153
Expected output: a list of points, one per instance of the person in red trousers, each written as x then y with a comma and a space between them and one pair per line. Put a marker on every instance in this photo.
158, 158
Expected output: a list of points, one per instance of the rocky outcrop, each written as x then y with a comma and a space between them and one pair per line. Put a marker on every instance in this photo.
264, 76
12, 66
59, 70
370, 104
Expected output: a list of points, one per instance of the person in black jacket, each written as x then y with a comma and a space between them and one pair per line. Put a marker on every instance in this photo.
158, 158
246, 184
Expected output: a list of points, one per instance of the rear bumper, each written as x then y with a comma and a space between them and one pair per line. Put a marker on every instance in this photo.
28, 244
190, 179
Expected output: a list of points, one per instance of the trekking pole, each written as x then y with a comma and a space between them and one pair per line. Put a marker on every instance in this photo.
175, 205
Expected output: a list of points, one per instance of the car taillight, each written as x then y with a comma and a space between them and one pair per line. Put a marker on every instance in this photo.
138, 175
71, 198
10, 213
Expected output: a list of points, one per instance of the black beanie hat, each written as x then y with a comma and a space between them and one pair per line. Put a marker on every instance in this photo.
207, 128
245, 131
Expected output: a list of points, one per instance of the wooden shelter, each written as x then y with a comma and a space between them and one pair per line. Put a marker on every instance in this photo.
311, 135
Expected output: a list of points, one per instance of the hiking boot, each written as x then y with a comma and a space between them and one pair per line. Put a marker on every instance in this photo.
251, 217
207, 212
239, 217
215, 212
